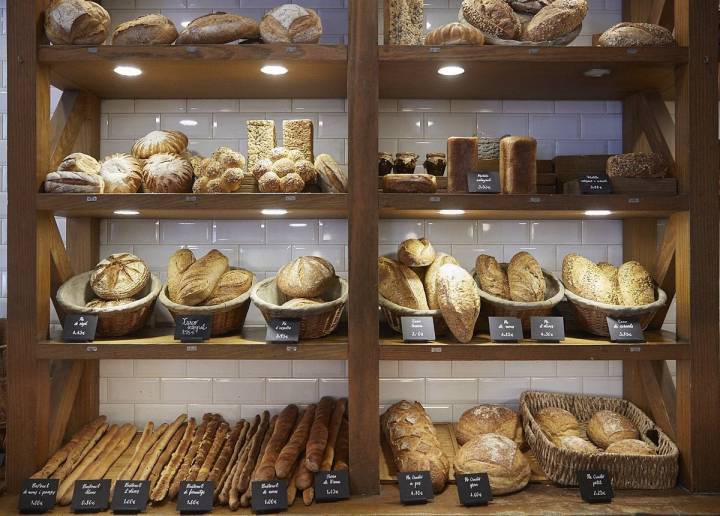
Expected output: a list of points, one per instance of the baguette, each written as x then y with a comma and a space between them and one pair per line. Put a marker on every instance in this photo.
304, 477
295, 446
342, 448
148, 454
147, 439
161, 488
233, 493
309, 496
227, 454
166, 456
232, 480
78, 440
223, 494
189, 457
252, 456
247, 495
333, 432
283, 428
78, 453
292, 487
318, 434
216, 446
212, 429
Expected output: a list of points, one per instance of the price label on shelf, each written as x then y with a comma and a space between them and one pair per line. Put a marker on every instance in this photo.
80, 327
195, 497
473, 489
595, 486
505, 329
484, 182
331, 486
193, 328
91, 495
594, 184
283, 331
37, 495
415, 487
130, 496
418, 329
269, 496
625, 329
547, 329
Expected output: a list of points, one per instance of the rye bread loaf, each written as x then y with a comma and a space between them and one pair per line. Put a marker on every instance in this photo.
493, 279
416, 252
218, 28
459, 301
555, 20
494, 17
636, 34
462, 158
306, 276
76, 22
454, 33
507, 468
151, 29
637, 164
489, 419
399, 284
431, 277
526, 279
606, 427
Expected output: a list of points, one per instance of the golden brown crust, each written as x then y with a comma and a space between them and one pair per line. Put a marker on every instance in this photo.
409, 183
431, 277
167, 173
526, 279
306, 276
160, 142
454, 33
585, 279
231, 285
556, 422
296, 444
218, 28
121, 173
489, 419
556, 20
631, 447
636, 34
636, 286
151, 29
291, 23
416, 252
119, 276
576, 444
399, 284
283, 428
177, 265
507, 468
319, 431
199, 279
606, 427
493, 279
459, 301
76, 22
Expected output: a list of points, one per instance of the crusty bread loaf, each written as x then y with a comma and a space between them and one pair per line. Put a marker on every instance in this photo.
199, 279
454, 33
526, 279
302, 302
493, 279
637, 164
493, 17
331, 177
121, 173
108, 303
76, 22
431, 277
151, 29
556, 423
261, 140
518, 165
160, 142
636, 286
409, 183
119, 276
462, 158
217, 28
167, 173
507, 468
177, 265
232, 284
403, 22
459, 301
557, 19
399, 284
73, 182
631, 447
606, 427
636, 34
611, 273
576, 444
79, 162
305, 276
291, 23
585, 279
298, 135
416, 252
489, 419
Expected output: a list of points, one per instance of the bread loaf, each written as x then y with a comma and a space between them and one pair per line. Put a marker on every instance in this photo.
177, 265
526, 279
454, 33
630, 447
319, 431
199, 279
167, 173
76, 22
301, 302
576, 444
151, 29
217, 28
107, 303
489, 419
528, 6
121, 173
306, 276
494, 17
637, 164
635, 285
635, 34
79, 162
119, 276
160, 142
291, 23
462, 156
281, 433
518, 165
296, 443
231, 285
399, 284
409, 183
585, 279
261, 140
557, 19
298, 135
331, 177
611, 273
493, 279
556, 423
507, 468
414, 443
403, 22
459, 301
606, 427
416, 252
431, 277
73, 182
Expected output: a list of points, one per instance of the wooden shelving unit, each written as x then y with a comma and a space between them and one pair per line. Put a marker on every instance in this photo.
685, 262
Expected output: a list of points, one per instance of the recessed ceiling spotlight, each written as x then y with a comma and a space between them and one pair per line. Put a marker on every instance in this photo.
597, 72
126, 212
451, 70
127, 71
273, 211
451, 212
597, 213
274, 70
188, 123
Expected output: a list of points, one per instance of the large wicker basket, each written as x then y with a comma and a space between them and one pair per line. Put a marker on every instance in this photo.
394, 313
627, 471
316, 321
491, 39
226, 317
497, 306
114, 321
591, 315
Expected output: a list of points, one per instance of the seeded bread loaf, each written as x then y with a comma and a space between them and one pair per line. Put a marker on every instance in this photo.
431, 277
119, 276
76, 22
218, 28
507, 468
399, 284
167, 173
160, 142
454, 33
637, 164
494, 17
261, 140
403, 22
199, 279
298, 135
151, 29
556, 423
606, 427
635, 34
631, 447
492, 277
306, 276
489, 419
526, 279
121, 173
611, 273
585, 279
635, 284
459, 301
555, 20
416, 252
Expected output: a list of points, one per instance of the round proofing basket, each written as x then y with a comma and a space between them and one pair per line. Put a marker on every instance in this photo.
226, 317
394, 313
316, 321
113, 321
491, 39
494, 306
591, 315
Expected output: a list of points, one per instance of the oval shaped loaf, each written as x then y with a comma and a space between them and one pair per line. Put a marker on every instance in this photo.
119, 276
637, 164
611, 273
331, 177
493, 279
122, 174
556, 423
489, 419
606, 427
455, 33
416, 252
64, 181
76, 22
217, 28
526, 279
151, 29
177, 265
409, 183
636, 286
167, 173
399, 284
291, 23
557, 19
79, 162
200, 278
231, 284
635, 34
160, 142
493, 17
576, 444
507, 468
459, 301
631, 447
306, 276
585, 279
431, 276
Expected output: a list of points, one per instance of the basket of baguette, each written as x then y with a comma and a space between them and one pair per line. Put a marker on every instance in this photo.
573, 432
120, 290
598, 291
208, 286
306, 289
517, 289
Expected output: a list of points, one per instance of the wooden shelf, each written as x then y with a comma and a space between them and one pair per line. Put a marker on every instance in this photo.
200, 71
498, 72
160, 344
198, 206
537, 206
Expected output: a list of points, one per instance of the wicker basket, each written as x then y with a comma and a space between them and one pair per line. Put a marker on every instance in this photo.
591, 315
491, 39
114, 321
627, 471
316, 321
394, 313
497, 306
226, 317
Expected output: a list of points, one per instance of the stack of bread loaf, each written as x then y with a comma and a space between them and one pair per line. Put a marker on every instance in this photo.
117, 279
523, 281
305, 281
222, 172
422, 279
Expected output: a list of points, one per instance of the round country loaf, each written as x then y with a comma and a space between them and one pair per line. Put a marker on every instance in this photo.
416, 252
606, 427
507, 468
494, 17
160, 142
291, 23
306, 276
119, 276
122, 174
631, 447
556, 422
167, 173
76, 22
489, 419
636, 34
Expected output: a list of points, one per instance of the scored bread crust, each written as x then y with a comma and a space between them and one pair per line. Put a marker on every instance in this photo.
399, 284
291, 23
526, 279
494, 17
306, 276
556, 422
636, 34
606, 427
459, 301
507, 468
555, 20
151, 29
431, 276
160, 142
232, 284
455, 33
218, 28
119, 276
167, 173
199, 279
493, 279
76, 22
489, 419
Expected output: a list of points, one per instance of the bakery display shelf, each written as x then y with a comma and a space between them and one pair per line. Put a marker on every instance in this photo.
506, 72
519, 206
160, 343
199, 206
200, 71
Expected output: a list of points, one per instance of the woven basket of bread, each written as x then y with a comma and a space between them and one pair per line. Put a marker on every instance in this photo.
627, 471
226, 317
316, 320
591, 315
499, 307
394, 313
113, 321
491, 39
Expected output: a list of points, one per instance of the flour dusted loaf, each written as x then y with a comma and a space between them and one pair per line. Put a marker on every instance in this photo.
403, 22
167, 173
606, 427
431, 277
555, 20
301, 302
198, 281
585, 279
79, 162
231, 284
454, 33
631, 447
411, 435
576, 444
518, 165
637, 164
121, 173
557, 423
119, 276
73, 182
306, 276
416, 252
493, 279
399, 284
218, 28
489, 419
291, 23
635, 34
76, 22
409, 183
459, 301
507, 468
160, 142
151, 29
635, 285
494, 17
526, 279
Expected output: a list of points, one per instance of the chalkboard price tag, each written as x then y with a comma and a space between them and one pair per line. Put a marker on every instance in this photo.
595, 486
331, 486
484, 182
625, 329
193, 328
505, 329
80, 327
91, 495
283, 330
547, 329
269, 496
418, 329
195, 497
130, 496
415, 487
473, 489
593, 184
37, 495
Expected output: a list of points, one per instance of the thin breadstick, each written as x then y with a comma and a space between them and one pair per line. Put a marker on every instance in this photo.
166, 455
205, 445
79, 453
228, 455
161, 489
247, 495
80, 439
189, 457
333, 431
243, 476
308, 496
212, 455
162, 443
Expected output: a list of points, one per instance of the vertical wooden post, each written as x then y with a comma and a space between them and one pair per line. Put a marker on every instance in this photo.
363, 352
28, 254
697, 261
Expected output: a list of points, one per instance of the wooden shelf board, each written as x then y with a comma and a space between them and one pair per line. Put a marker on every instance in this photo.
200, 71
199, 206
518, 206
526, 73
160, 344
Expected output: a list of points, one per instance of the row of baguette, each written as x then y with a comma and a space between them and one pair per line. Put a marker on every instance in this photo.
293, 445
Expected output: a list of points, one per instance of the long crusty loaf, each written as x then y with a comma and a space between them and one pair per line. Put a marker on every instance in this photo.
147, 439
189, 457
400, 284
166, 455
213, 452
342, 447
431, 277
79, 440
296, 444
318, 437
493, 279
245, 498
160, 490
459, 301
283, 427
218, 28
333, 432
177, 265
228, 449
199, 280
162, 443
215, 425
526, 279
77, 454
146, 457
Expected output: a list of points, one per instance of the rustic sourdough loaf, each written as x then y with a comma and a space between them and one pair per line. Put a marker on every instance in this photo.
151, 29
119, 276
73, 182
489, 419
557, 19
79, 162
306, 276
606, 427
507, 468
218, 28
167, 173
160, 142
492, 277
291, 23
526, 279
200, 278
416, 252
399, 284
585, 279
557, 423
576, 444
177, 265
635, 34
494, 17
459, 301
431, 277
232, 284
76, 22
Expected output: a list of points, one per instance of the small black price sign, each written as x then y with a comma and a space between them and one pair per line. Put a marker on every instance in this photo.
80, 327
595, 184
283, 330
269, 496
473, 489
547, 329
484, 182
625, 329
37, 495
415, 487
595, 486
331, 486
505, 329
195, 497
193, 328
418, 329
91, 495
130, 496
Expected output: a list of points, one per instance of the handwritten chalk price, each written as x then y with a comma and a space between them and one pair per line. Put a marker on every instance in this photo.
193, 328
80, 327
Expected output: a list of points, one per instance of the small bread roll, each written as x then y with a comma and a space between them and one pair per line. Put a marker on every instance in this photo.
556, 423
416, 252
489, 419
631, 447
269, 183
607, 427
399, 284
306, 276
493, 279
507, 468
292, 183
577, 444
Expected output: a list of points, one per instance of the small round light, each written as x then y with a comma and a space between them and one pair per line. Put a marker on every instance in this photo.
274, 70
128, 71
273, 211
451, 212
597, 213
189, 123
126, 212
597, 72
451, 70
